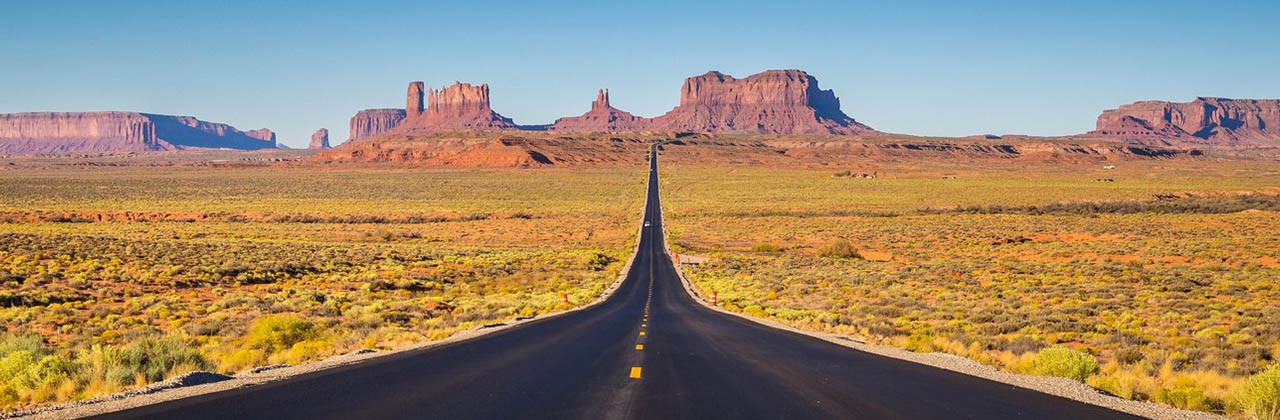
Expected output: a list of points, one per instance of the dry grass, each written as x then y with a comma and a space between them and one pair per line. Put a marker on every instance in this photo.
227, 269
1176, 301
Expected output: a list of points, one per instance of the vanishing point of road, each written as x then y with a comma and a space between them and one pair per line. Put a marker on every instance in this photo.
650, 351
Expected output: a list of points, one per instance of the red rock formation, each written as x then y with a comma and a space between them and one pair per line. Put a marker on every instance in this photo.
413, 101
58, 132
461, 106
775, 101
602, 117
1217, 121
374, 122
262, 134
319, 140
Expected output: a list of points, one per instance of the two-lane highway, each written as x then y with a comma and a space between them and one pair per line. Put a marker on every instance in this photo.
650, 352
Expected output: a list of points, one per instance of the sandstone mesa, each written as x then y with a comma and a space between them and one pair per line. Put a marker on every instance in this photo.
1206, 121
114, 131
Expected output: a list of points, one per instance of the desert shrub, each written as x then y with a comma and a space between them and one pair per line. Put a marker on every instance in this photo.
1259, 396
144, 360
1185, 394
23, 376
307, 350
766, 248
275, 333
840, 249
1064, 363
920, 342
33, 344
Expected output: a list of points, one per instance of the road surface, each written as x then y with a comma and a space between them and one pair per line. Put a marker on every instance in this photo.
648, 352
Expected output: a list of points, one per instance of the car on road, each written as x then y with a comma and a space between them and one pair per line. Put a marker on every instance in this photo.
646, 223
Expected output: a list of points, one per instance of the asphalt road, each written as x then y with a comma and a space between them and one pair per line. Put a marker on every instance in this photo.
648, 352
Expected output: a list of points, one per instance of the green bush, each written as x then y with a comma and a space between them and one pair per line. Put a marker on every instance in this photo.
1184, 396
149, 358
276, 333
1259, 396
840, 249
1064, 363
33, 344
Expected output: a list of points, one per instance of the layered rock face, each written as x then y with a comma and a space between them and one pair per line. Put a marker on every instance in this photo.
60, 132
262, 134
602, 117
413, 101
319, 140
774, 102
1216, 121
461, 106
374, 122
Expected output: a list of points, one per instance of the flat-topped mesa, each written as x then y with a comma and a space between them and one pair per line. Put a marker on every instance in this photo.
375, 122
319, 140
461, 106
1215, 121
115, 131
774, 102
602, 117
264, 134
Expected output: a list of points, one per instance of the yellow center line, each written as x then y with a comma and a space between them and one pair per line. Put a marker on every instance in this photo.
635, 372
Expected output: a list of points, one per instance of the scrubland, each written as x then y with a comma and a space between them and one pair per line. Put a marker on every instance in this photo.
112, 278
1151, 281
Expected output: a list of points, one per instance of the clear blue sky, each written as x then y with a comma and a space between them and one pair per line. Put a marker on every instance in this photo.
928, 67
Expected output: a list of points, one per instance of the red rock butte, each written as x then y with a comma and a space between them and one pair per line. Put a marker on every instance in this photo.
602, 117
319, 140
114, 131
1216, 121
772, 102
461, 106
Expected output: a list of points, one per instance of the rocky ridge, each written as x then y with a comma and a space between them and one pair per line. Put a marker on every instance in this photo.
1204, 121
117, 131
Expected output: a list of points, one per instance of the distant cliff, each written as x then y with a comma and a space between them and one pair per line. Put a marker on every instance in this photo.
1211, 121
60, 132
374, 122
